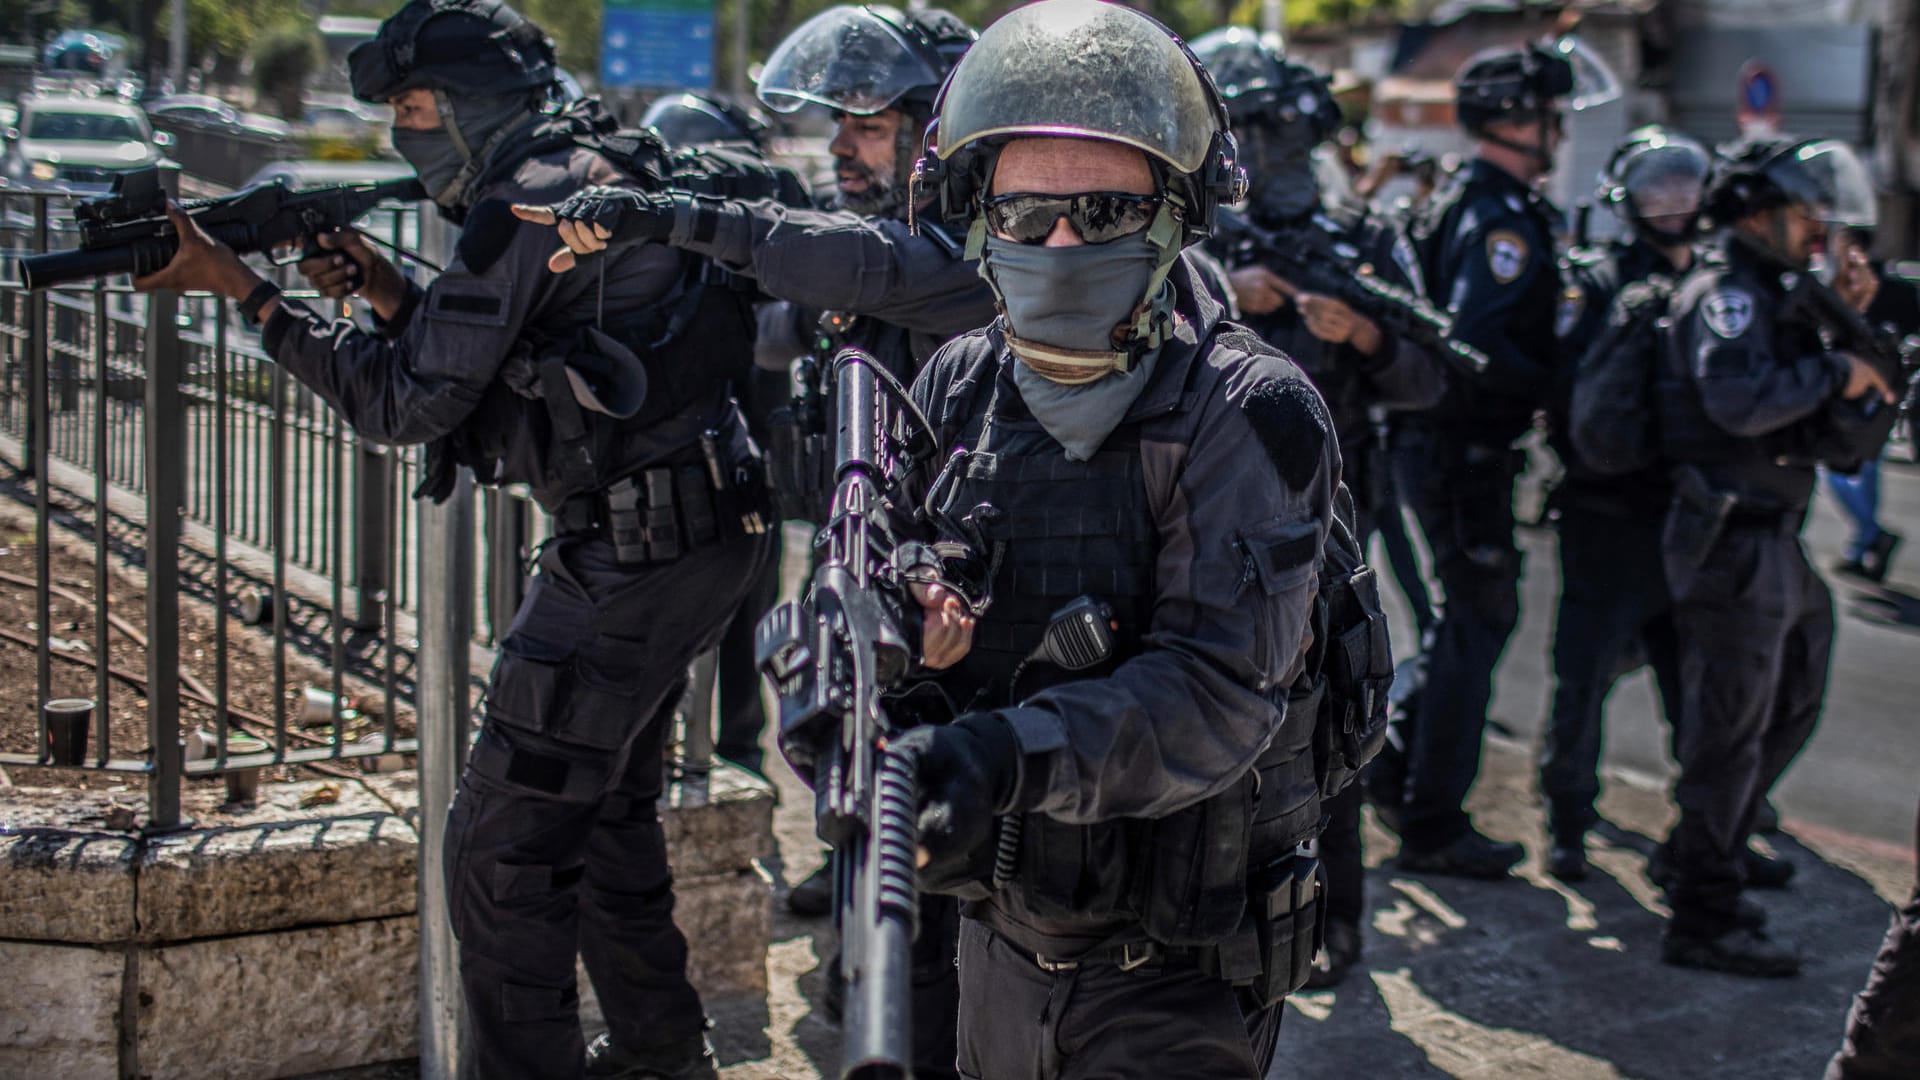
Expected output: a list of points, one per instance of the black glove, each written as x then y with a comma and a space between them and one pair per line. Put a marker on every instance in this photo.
968, 771
629, 216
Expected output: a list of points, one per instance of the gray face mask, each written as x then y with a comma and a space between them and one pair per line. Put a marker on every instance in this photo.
1070, 297
440, 159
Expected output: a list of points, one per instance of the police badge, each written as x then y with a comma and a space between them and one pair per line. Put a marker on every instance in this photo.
1506, 255
1728, 312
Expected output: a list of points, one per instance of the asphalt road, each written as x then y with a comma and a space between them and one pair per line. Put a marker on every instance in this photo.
1861, 773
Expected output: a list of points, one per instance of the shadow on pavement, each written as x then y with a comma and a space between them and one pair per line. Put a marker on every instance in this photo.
1532, 977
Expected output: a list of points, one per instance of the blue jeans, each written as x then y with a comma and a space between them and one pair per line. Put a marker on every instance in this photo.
1859, 497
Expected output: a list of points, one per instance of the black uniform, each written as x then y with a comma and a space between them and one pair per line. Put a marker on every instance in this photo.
1883, 1028
1745, 403
1353, 385
1488, 258
1119, 948
554, 843
1613, 587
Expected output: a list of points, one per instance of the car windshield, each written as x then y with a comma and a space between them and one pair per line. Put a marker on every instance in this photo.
94, 127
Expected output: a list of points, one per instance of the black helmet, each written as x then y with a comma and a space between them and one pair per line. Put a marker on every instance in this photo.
1517, 85
1087, 69
696, 120
1824, 177
863, 60
1524, 84
1262, 87
1656, 174
471, 48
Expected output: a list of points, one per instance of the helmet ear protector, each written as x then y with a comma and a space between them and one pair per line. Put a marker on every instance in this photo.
961, 178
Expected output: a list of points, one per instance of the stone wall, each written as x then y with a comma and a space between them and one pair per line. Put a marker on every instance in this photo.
281, 940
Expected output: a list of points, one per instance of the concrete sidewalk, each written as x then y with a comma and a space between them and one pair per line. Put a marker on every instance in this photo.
1521, 978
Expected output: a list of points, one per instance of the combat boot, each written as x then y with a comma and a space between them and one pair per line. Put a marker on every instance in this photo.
688, 1059
1739, 951
1765, 873
1337, 957
1471, 856
1567, 854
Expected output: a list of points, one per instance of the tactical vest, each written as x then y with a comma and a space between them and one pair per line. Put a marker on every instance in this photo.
528, 428
1068, 529
693, 342
1688, 435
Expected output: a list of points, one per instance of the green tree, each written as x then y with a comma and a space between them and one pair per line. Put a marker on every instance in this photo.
283, 61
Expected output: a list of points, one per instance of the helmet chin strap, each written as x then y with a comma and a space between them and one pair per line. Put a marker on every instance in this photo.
451, 195
1542, 157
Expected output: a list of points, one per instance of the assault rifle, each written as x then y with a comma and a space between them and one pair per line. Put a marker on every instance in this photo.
1847, 330
126, 231
1309, 258
831, 656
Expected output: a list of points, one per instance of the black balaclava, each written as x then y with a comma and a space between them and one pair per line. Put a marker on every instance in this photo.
449, 157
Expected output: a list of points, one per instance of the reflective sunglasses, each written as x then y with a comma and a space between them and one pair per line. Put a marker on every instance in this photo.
1098, 216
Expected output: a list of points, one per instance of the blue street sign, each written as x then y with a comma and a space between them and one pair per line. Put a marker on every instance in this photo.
663, 44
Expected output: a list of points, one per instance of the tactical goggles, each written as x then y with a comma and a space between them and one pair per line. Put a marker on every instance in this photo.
1098, 216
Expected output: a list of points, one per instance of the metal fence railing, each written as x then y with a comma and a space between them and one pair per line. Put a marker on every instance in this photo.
282, 555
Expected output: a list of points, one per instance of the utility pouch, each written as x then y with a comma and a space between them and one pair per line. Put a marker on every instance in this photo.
798, 464
1697, 517
1289, 914
1194, 890
624, 523
1359, 671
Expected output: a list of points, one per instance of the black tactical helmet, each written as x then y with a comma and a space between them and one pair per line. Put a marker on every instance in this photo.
1512, 85
1087, 69
1824, 177
1656, 174
696, 120
471, 48
863, 60
1261, 86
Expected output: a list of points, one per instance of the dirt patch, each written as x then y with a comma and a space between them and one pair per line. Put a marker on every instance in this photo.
249, 682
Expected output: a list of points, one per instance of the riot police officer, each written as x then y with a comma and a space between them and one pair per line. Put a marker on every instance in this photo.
1484, 249
897, 292
1172, 466
1748, 398
1613, 592
1281, 111
623, 428
728, 682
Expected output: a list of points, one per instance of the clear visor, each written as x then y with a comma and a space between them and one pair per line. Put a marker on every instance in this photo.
1666, 181
1829, 181
1594, 82
846, 58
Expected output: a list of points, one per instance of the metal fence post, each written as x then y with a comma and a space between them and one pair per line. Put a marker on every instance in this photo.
372, 492
446, 628
37, 353
166, 462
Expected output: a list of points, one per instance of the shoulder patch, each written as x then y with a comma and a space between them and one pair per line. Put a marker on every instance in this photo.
458, 298
1507, 253
1290, 421
1573, 304
1728, 311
